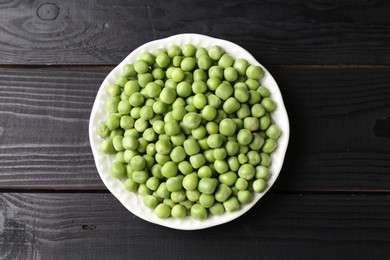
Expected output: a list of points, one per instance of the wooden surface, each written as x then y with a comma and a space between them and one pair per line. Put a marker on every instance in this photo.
332, 62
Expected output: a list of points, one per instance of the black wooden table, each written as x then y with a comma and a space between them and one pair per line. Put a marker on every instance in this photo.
332, 62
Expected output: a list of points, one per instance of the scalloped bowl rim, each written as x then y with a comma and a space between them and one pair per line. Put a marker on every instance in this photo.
132, 201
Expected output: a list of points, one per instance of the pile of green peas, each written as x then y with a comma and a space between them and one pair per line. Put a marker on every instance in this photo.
191, 131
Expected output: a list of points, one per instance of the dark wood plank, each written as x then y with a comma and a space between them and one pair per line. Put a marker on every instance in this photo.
333, 113
275, 32
96, 226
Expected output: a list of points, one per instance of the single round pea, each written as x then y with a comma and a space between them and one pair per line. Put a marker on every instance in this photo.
148, 57
200, 76
197, 160
244, 196
187, 204
233, 163
251, 123
217, 209
265, 159
212, 128
112, 122
241, 184
178, 154
231, 105
169, 169
220, 153
185, 167
158, 74
150, 201
264, 92
137, 163
146, 113
228, 178
159, 107
214, 101
198, 212
141, 66
216, 72
241, 66
200, 51
173, 51
213, 83
191, 146
268, 104
118, 170
222, 193
199, 87
232, 148
244, 137
188, 50
117, 142
156, 171
231, 204
269, 146
224, 91
209, 113
199, 132
188, 64
152, 89
227, 127
162, 191
177, 74
163, 147
199, 101
136, 99
121, 81
126, 122
257, 110
264, 122
205, 172
153, 183
113, 90
230, 74
131, 185
254, 157
273, 132
203, 144
191, 120
214, 140
149, 135
204, 62
178, 211
262, 172
141, 125
221, 166
193, 195
215, 52
246, 171
169, 202
143, 190
177, 60
241, 94
207, 185
163, 60
175, 183
144, 79
184, 89
226, 61
254, 72
259, 185
131, 87
168, 95
128, 70
190, 181
178, 196
178, 139
162, 211
254, 97
206, 200
103, 130
172, 128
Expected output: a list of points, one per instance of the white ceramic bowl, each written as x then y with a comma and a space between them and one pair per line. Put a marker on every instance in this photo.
134, 202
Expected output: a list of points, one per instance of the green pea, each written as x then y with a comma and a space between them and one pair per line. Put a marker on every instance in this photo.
199, 101
197, 160
214, 101
213, 83
178, 154
214, 140
234, 163
230, 74
163, 60
232, 148
178, 139
162, 191
200, 51
169, 169
187, 204
254, 72
226, 61
187, 64
221, 166
209, 113
185, 167
191, 120
244, 137
241, 66
215, 52
198, 133
173, 51
217, 209
103, 130
222, 193
209, 155
268, 104
190, 181
131, 87
150, 201
227, 127
118, 170
262, 172
169, 202
113, 90
176, 61
174, 183
131, 185
121, 81
259, 185
257, 110
163, 147
246, 171
203, 144
269, 146
188, 50
216, 72
231, 105
144, 79
198, 212
200, 76
156, 171
273, 132
244, 196
148, 57
241, 184
178, 211
162, 211
207, 185
264, 92
264, 122
143, 190
193, 195
231, 204
177, 74
206, 200
136, 99
112, 122
251, 123
141, 125
265, 159
220, 153
128, 70
253, 157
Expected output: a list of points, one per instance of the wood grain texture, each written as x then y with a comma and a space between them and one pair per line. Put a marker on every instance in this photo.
44, 120
274, 31
96, 226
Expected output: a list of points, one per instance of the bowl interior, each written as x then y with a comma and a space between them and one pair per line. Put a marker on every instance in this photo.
134, 202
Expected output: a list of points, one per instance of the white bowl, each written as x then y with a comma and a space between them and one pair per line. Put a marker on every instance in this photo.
134, 202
